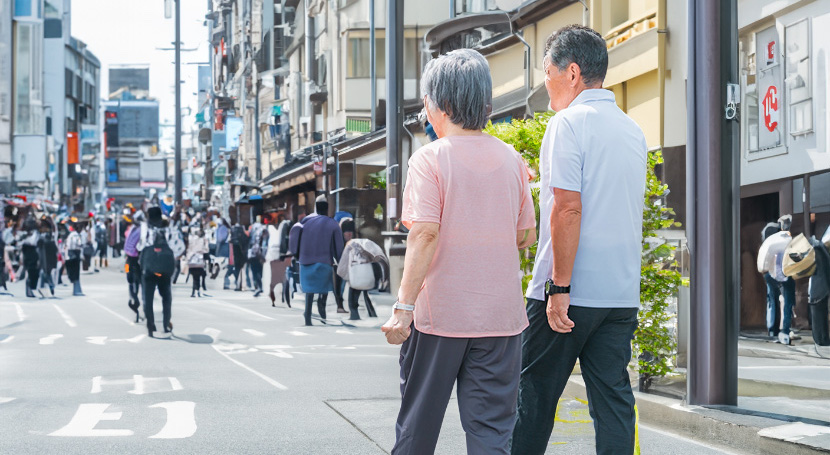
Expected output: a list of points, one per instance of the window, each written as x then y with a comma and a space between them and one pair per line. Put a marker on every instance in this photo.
797, 79
358, 58
28, 86
749, 110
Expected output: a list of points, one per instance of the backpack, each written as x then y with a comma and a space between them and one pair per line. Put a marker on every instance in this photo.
236, 235
286, 229
158, 258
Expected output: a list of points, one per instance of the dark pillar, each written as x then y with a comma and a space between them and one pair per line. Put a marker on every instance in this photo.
713, 198
177, 159
394, 109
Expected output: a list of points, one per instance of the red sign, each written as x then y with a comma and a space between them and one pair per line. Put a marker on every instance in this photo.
72, 148
770, 104
770, 52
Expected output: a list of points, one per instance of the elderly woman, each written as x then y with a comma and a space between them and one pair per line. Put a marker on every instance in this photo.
460, 284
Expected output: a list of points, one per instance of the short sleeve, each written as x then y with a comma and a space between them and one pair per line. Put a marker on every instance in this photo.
527, 211
422, 201
566, 158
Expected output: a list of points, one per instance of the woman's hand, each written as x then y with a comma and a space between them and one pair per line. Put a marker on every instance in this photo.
398, 327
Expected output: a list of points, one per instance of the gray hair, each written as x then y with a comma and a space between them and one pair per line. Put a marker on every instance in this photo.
580, 45
459, 84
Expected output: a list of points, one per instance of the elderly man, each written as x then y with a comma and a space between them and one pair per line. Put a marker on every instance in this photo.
468, 204
583, 300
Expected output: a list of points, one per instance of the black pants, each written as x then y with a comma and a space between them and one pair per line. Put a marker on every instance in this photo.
134, 282
321, 306
820, 327
256, 273
485, 372
354, 296
338, 291
601, 340
198, 275
32, 275
73, 270
151, 281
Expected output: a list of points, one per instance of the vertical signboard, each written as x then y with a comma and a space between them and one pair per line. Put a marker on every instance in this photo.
770, 104
72, 148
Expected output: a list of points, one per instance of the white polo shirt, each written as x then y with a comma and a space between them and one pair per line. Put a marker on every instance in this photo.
594, 148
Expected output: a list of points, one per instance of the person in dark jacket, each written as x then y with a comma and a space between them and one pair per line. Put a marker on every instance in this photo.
48, 251
239, 252
31, 257
819, 292
319, 245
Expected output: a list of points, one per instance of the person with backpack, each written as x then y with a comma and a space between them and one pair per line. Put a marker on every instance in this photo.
256, 234
776, 236
133, 268
157, 258
48, 251
239, 253
197, 247
72, 255
31, 258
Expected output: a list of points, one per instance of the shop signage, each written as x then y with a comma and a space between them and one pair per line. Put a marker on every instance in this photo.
769, 105
768, 85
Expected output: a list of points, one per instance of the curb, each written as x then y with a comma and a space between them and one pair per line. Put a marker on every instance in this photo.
743, 433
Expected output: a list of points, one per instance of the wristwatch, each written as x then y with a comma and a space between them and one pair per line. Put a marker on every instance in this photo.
402, 306
551, 288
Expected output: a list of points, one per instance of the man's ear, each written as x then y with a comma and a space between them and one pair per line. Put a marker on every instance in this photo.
574, 73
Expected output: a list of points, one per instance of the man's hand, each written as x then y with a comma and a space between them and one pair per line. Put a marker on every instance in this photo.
397, 328
558, 313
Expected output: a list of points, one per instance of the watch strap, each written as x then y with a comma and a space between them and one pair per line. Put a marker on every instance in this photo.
402, 306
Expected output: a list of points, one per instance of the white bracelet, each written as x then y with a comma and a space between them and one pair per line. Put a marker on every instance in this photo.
402, 306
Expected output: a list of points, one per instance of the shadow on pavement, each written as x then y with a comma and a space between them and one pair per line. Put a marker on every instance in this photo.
195, 338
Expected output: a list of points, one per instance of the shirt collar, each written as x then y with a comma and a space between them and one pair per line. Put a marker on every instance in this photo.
594, 94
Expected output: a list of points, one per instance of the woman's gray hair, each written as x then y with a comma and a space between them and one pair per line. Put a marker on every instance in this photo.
459, 84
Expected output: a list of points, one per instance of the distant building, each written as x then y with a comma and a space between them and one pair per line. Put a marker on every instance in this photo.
132, 78
5, 96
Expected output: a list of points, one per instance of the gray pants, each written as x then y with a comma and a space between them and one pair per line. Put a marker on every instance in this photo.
487, 373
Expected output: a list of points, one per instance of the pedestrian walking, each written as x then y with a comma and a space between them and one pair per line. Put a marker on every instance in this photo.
277, 258
358, 266
157, 258
319, 245
461, 285
48, 252
256, 255
133, 266
197, 247
30, 255
583, 299
776, 236
819, 290
239, 253
72, 253
102, 242
88, 250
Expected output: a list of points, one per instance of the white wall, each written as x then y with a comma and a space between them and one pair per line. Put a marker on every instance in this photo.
808, 153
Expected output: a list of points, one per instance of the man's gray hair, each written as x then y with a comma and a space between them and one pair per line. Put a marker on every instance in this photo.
580, 45
459, 84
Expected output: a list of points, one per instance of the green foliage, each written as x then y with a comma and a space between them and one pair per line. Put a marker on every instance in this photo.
526, 137
653, 341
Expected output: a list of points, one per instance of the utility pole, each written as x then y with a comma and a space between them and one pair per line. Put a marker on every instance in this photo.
178, 151
713, 201
373, 88
394, 108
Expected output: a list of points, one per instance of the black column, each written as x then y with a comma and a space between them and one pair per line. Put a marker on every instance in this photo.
713, 201
394, 108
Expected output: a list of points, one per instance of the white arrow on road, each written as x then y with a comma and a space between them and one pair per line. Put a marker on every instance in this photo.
51, 338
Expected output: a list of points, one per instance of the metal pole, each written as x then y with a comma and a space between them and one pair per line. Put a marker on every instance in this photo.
713, 199
178, 152
257, 140
394, 108
212, 121
372, 67
309, 69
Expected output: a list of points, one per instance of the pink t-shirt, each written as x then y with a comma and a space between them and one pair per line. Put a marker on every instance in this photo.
476, 188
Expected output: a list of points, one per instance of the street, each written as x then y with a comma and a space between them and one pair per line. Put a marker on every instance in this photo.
238, 376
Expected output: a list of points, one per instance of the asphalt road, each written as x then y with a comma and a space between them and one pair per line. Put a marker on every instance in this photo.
77, 375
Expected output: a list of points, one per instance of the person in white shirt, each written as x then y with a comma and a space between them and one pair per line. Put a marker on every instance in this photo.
770, 263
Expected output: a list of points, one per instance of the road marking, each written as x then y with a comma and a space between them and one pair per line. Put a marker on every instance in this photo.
280, 354
213, 333
67, 318
21, 316
181, 420
51, 338
268, 347
102, 340
86, 418
237, 307
297, 333
255, 333
4, 400
255, 372
141, 385
97, 340
129, 322
344, 331
7, 339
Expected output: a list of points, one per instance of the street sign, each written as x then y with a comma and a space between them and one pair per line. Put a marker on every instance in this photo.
219, 175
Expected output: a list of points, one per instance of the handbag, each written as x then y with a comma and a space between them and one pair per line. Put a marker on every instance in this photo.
361, 276
196, 261
799, 258
88, 250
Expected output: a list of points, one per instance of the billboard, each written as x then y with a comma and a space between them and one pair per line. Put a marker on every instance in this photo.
29, 158
131, 78
154, 173
769, 130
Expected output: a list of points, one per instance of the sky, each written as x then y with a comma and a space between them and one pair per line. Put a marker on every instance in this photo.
130, 31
